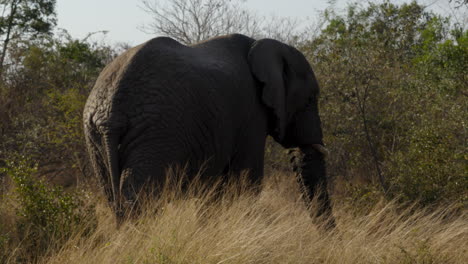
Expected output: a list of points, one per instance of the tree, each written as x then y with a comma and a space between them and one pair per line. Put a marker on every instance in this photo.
393, 93
460, 3
41, 105
192, 21
24, 18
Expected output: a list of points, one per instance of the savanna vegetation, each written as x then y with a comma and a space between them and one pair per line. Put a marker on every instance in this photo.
394, 110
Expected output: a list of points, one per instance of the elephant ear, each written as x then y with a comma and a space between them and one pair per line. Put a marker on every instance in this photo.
278, 67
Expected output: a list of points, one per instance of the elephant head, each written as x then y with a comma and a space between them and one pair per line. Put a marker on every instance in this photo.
290, 91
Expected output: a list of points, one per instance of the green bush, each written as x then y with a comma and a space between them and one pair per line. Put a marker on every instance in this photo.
46, 215
393, 104
41, 103
431, 168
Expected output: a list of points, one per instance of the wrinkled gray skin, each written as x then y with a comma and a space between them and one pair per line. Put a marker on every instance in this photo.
214, 103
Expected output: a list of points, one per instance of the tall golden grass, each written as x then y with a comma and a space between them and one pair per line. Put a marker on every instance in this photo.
202, 226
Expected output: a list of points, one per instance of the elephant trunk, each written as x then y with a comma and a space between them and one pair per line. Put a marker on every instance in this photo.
314, 181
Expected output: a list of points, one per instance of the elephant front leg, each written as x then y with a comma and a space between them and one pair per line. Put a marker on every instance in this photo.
314, 182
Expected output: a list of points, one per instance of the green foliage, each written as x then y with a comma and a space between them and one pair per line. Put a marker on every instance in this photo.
24, 19
28, 16
48, 208
41, 104
363, 197
393, 101
47, 215
441, 61
45, 96
431, 168
69, 104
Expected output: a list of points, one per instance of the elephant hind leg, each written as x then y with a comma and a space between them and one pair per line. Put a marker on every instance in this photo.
97, 154
97, 157
138, 186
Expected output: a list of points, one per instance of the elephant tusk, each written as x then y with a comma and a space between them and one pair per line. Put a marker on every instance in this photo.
320, 148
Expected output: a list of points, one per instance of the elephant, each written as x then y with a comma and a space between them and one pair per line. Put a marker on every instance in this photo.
210, 104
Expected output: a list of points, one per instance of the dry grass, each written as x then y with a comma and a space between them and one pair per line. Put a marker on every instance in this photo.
271, 228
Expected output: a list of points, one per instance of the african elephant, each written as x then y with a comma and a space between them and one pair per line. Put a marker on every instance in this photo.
213, 103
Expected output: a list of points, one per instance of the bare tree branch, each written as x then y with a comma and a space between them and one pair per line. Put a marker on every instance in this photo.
192, 21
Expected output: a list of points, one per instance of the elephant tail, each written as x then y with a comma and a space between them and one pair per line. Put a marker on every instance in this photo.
111, 142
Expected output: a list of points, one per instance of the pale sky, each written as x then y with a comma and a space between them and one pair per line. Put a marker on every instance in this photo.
122, 18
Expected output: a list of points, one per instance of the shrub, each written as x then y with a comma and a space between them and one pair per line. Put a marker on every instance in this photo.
393, 104
45, 215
